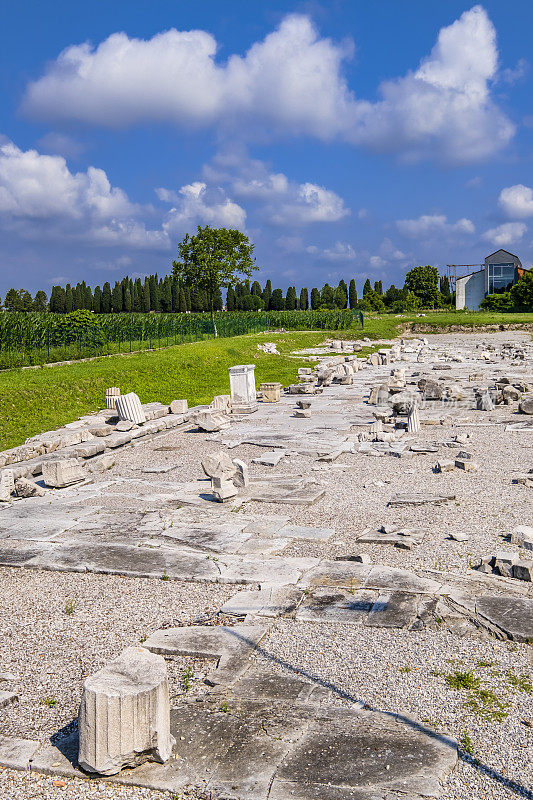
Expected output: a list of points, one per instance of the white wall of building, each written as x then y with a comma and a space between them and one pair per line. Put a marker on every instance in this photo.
470, 291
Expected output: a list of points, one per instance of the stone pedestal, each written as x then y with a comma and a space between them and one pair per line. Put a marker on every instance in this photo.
129, 407
271, 392
124, 716
242, 388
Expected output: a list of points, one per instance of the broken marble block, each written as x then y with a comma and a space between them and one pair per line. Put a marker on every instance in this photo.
7, 485
124, 716
209, 421
523, 570
223, 489
178, 407
271, 392
62, 472
241, 479
526, 406
27, 488
484, 401
219, 465
129, 407
111, 395
221, 402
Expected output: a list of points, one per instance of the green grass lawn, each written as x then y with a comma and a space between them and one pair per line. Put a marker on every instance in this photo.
442, 319
33, 401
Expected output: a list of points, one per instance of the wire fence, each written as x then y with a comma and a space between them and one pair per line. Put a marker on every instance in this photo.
30, 339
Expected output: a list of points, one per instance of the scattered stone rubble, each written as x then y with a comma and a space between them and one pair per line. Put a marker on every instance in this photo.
286, 735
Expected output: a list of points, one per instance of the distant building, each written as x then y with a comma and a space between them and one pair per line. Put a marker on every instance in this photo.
500, 271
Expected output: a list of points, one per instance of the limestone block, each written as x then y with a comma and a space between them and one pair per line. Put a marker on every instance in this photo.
445, 465
526, 406
241, 479
271, 392
178, 407
223, 489
219, 465
523, 570
221, 402
124, 716
7, 485
111, 395
209, 420
242, 389
129, 407
62, 472
484, 402
26, 488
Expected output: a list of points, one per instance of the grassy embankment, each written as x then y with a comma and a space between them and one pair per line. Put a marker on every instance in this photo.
33, 401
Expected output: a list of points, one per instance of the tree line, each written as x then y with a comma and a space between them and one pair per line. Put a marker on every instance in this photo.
169, 295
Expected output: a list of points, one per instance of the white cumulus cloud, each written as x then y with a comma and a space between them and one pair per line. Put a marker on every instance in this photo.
41, 198
506, 234
290, 83
431, 225
517, 201
196, 204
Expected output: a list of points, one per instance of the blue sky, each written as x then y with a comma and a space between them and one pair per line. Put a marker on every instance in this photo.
348, 139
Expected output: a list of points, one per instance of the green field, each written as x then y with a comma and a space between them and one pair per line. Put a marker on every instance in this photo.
33, 401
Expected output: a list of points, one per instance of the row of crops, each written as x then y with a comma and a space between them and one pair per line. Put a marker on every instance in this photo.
34, 338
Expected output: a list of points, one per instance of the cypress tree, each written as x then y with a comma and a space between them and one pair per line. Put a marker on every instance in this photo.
88, 304
166, 295
54, 300
378, 288
315, 299
196, 300
106, 298
69, 300
175, 291
127, 299
341, 295
154, 292
137, 296
117, 300
182, 301
290, 300
327, 296
145, 305
97, 300
40, 301
267, 294
256, 289
277, 303
77, 297
230, 299
367, 288
304, 300
352, 294
188, 298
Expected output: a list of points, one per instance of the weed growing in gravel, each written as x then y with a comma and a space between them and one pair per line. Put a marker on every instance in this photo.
165, 576
487, 705
406, 668
463, 680
186, 679
51, 702
436, 673
70, 607
482, 664
224, 707
466, 743
520, 682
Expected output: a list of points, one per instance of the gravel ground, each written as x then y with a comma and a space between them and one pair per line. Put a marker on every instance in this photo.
51, 651
405, 673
